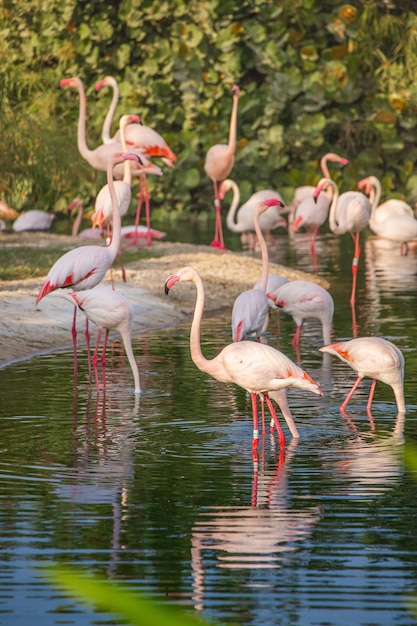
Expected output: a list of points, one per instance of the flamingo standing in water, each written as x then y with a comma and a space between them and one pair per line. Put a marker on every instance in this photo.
376, 358
349, 213
84, 267
138, 137
256, 367
218, 164
242, 220
251, 307
303, 299
393, 219
109, 310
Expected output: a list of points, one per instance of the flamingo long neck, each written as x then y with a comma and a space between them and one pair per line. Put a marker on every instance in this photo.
77, 222
117, 221
323, 165
264, 250
132, 361
127, 169
230, 217
332, 211
398, 390
374, 194
195, 333
233, 124
83, 148
107, 124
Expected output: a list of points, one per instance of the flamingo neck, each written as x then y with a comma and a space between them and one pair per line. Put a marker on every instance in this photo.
132, 361
332, 211
83, 148
127, 168
230, 217
264, 250
106, 130
195, 343
117, 222
399, 397
77, 222
233, 124
323, 165
375, 193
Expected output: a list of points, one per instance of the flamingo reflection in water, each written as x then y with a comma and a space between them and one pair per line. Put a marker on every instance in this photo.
251, 537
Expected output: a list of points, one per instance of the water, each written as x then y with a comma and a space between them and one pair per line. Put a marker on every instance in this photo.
161, 492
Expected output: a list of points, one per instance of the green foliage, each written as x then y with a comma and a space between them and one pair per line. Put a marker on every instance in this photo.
314, 76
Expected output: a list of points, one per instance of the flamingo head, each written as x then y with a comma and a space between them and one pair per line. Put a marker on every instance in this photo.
343, 161
317, 192
225, 186
107, 81
365, 183
70, 82
186, 274
74, 204
235, 90
273, 202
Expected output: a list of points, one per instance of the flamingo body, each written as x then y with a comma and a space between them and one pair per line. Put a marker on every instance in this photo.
372, 357
303, 299
33, 220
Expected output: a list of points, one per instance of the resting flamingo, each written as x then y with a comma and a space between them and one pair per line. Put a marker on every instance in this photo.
109, 310
256, 367
84, 267
99, 157
251, 307
33, 220
393, 219
242, 220
303, 299
349, 213
376, 358
218, 164
138, 137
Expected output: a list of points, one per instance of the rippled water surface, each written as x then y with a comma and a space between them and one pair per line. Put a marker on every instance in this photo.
161, 492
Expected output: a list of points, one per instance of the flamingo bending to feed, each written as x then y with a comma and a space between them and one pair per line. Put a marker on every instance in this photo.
109, 310
349, 213
251, 307
33, 220
242, 220
274, 282
218, 164
138, 137
394, 219
376, 358
303, 299
99, 157
84, 267
256, 367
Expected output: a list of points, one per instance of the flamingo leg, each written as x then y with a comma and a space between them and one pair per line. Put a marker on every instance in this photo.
350, 394
371, 395
296, 339
103, 359
355, 263
263, 414
313, 249
281, 436
143, 196
218, 241
74, 342
255, 438
87, 343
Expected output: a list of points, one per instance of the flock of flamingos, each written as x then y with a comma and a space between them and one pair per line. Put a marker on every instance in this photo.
263, 371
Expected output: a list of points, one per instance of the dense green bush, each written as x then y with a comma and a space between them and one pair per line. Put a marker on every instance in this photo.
314, 76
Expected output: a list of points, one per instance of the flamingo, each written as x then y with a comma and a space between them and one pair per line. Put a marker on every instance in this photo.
303, 299
138, 137
394, 219
84, 267
376, 358
258, 368
242, 221
219, 163
251, 307
99, 157
349, 213
307, 191
109, 310
86, 233
33, 220
274, 282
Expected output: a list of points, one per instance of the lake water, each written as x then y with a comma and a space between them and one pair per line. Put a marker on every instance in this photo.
161, 492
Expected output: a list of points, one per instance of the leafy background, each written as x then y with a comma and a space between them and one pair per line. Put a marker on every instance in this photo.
314, 76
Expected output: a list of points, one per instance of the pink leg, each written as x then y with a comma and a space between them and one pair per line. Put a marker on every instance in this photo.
141, 198
281, 436
74, 342
296, 338
313, 249
218, 233
371, 395
350, 394
255, 437
355, 264
103, 359
87, 343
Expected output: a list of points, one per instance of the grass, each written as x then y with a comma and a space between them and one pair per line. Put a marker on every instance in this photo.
22, 262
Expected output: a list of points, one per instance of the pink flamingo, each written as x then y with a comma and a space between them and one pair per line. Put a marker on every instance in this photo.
109, 310
218, 164
242, 221
138, 137
256, 367
375, 358
349, 213
251, 307
86, 233
33, 220
274, 282
303, 299
393, 219
84, 267
99, 157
